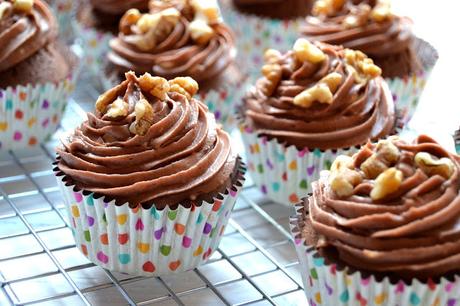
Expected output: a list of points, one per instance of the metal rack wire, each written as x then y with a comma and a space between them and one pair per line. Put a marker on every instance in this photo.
40, 265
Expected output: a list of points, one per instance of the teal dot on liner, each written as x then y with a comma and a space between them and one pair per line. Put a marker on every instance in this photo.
317, 152
124, 258
318, 262
414, 299
276, 187
345, 296
9, 104
155, 213
200, 218
90, 200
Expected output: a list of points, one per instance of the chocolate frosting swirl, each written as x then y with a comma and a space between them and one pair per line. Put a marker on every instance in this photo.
376, 39
22, 34
182, 156
118, 7
413, 232
358, 112
177, 54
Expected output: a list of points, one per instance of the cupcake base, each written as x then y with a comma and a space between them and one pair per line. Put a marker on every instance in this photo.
327, 284
147, 242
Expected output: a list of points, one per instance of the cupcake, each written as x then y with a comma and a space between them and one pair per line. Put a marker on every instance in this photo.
371, 27
180, 38
262, 24
149, 180
311, 103
278, 9
97, 23
64, 10
381, 228
37, 74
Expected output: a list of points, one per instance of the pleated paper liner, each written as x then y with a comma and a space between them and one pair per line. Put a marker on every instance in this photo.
285, 173
327, 284
147, 242
29, 115
256, 34
65, 10
407, 91
457, 141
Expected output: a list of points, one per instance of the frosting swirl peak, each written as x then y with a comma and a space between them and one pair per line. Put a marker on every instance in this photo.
393, 208
149, 142
320, 96
24, 29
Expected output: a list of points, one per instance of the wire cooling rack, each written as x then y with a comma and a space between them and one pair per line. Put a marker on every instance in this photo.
255, 264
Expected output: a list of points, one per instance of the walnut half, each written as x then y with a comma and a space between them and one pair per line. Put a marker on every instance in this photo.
431, 165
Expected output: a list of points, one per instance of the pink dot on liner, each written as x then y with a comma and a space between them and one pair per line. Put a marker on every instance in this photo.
17, 136
78, 197
186, 242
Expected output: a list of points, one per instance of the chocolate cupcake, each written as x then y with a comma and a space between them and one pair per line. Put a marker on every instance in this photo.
278, 9
371, 27
152, 166
180, 38
384, 222
36, 69
312, 102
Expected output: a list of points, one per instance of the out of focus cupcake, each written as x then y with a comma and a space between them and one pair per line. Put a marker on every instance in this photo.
371, 27
97, 23
37, 74
312, 103
149, 179
277, 9
457, 141
263, 24
65, 11
381, 228
181, 38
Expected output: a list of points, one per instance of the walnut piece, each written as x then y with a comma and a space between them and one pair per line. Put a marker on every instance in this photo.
304, 51
362, 67
387, 150
327, 7
358, 16
156, 86
200, 31
273, 73
332, 80
105, 99
432, 165
373, 167
5, 9
23, 6
144, 118
381, 11
386, 183
272, 56
342, 178
185, 86
317, 93
118, 109
130, 18
207, 10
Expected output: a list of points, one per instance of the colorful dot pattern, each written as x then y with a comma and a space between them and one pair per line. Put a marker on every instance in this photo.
325, 285
282, 173
64, 10
29, 115
147, 242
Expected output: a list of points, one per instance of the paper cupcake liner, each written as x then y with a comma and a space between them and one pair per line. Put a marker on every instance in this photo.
408, 90
64, 10
284, 173
221, 102
95, 44
457, 141
29, 115
324, 284
256, 34
147, 242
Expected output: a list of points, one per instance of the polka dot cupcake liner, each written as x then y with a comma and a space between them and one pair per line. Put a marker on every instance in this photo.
64, 10
29, 115
408, 90
256, 34
284, 173
147, 242
325, 284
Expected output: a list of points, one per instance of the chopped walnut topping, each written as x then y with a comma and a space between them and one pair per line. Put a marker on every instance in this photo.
273, 74
144, 118
185, 86
381, 11
130, 18
272, 56
156, 86
118, 109
358, 17
432, 165
23, 6
360, 66
200, 31
386, 183
322, 92
342, 178
304, 51
327, 7
5, 9
207, 10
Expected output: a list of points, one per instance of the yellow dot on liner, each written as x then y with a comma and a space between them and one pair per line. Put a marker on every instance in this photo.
143, 247
436, 302
379, 299
256, 148
348, 280
121, 219
3, 126
293, 165
75, 211
318, 298
198, 251
31, 122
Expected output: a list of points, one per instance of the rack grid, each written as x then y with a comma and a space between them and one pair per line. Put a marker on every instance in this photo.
40, 265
